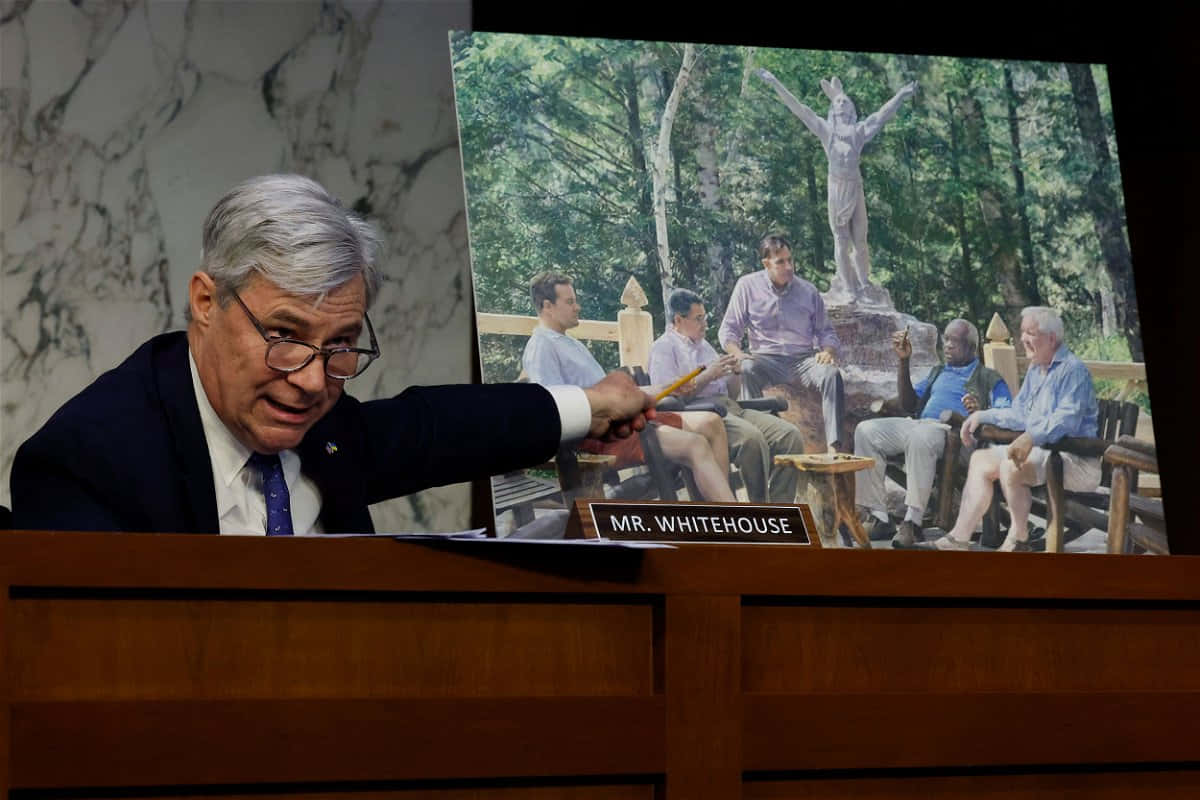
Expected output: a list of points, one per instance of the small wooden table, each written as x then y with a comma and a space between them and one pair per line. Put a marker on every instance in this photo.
592, 467
827, 485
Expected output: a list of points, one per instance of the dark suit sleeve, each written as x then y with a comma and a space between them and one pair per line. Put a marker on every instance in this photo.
49, 493
435, 435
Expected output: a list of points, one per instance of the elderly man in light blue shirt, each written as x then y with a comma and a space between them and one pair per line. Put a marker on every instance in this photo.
754, 436
791, 337
1056, 399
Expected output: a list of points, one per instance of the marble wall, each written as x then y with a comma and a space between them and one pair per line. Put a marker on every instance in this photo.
123, 121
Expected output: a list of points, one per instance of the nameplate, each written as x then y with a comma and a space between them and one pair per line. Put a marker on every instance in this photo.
654, 521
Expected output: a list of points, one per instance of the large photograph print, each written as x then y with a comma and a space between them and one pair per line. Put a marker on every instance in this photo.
895, 287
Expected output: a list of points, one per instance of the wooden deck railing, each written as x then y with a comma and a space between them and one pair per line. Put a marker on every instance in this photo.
1000, 355
633, 330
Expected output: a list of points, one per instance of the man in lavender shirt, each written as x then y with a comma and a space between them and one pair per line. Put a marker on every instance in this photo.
1056, 399
791, 338
754, 436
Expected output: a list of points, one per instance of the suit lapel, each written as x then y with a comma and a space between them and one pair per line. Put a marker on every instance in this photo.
331, 455
195, 479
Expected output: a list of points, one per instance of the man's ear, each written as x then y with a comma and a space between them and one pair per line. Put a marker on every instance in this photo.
202, 298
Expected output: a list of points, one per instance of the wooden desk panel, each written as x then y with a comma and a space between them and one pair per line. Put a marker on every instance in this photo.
197, 742
616, 791
1045, 646
377, 669
219, 645
1169, 785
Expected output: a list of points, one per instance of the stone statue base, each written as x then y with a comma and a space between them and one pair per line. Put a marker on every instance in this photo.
870, 296
868, 364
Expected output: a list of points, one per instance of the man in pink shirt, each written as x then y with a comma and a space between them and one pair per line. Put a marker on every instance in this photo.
791, 337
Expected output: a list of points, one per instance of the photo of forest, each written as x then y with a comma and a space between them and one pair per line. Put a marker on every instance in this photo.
995, 186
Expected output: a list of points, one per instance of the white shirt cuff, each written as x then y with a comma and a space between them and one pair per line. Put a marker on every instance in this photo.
574, 411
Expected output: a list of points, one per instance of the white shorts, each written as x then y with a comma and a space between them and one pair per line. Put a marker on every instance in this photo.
1080, 474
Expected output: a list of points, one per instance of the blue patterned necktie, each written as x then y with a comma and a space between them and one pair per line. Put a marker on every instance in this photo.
275, 491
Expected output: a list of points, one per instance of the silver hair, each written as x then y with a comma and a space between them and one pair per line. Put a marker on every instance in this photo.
972, 332
1047, 321
291, 232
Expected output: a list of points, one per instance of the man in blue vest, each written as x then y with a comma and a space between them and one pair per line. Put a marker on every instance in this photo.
962, 384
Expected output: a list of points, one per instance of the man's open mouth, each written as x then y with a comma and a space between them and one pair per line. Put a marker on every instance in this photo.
297, 410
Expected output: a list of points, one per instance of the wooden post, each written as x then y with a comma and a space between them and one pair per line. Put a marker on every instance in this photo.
1000, 355
634, 326
945, 506
702, 676
1118, 511
1057, 501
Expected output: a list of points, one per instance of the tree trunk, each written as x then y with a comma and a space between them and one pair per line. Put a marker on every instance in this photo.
659, 171
685, 269
720, 251
916, 198
718, 256
817, 224
637, 157
966, 273
1103, 202
1108, 312
1018, 171
998, 229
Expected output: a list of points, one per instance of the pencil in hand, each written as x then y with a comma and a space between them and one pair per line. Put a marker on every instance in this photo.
665, 393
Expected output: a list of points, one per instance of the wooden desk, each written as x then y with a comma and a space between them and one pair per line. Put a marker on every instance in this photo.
200, 666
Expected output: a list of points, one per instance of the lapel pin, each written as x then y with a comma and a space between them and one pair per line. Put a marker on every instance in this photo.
331, 447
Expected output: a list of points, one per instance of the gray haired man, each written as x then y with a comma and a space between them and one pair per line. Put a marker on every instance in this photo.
242, 424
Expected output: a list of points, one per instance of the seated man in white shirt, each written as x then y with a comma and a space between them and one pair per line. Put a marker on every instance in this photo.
755, 437
695, 439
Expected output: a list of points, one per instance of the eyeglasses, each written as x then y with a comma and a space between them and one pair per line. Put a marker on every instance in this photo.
293, 355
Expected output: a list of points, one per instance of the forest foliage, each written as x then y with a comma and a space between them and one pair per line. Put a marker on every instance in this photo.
996, 186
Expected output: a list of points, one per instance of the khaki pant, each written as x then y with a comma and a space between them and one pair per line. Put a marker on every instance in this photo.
920, 440
755, 438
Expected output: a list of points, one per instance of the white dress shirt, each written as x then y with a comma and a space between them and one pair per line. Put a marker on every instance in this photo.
241, 507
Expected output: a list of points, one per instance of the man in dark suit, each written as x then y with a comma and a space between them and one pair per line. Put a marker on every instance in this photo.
241, 425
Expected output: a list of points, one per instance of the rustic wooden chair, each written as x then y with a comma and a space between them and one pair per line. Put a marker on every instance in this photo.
1070, 514
1136, 524
588, 475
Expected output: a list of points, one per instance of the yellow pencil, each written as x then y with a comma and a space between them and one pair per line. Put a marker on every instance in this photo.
667, 391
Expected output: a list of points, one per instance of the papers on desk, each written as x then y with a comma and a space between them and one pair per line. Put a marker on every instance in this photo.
479, 536
610, 543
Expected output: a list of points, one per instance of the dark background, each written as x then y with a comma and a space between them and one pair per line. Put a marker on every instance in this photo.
1153, 58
